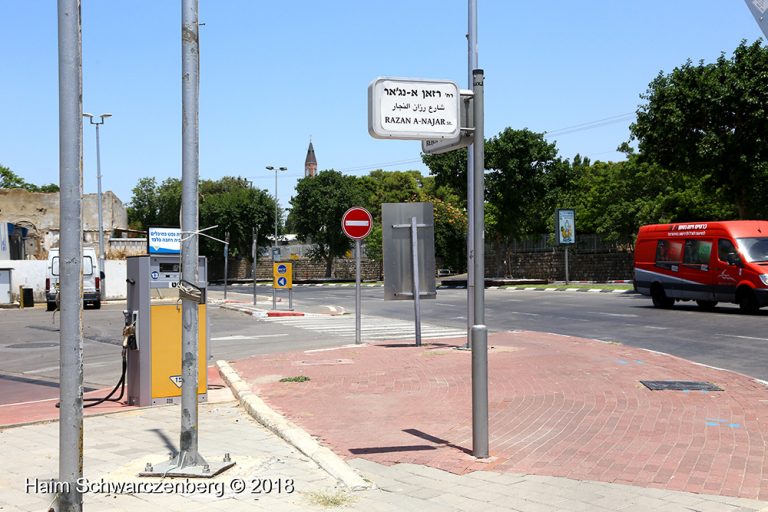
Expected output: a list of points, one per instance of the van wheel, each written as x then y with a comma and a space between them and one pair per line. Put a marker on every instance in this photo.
747, 302
97, 304
706, 305
50, 306
660, 299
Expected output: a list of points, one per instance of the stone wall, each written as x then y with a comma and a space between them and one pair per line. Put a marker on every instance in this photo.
585, 266
588, 266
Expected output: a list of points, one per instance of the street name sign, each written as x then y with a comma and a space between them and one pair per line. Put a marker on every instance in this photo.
466, 136
357, 223
413, 109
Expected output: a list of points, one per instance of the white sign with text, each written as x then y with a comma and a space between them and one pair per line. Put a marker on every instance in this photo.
413, 109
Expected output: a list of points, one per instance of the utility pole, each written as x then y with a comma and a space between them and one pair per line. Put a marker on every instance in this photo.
472, 64
102, 254
70, 267
190, 172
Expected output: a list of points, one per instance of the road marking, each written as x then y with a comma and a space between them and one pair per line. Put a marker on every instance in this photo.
444, 304
622, 315
241, 337
743, 337
371, 328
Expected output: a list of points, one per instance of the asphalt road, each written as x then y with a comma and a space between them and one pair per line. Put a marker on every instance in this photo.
29, 343
724, 338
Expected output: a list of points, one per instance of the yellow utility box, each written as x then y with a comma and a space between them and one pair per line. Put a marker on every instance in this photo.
165, 329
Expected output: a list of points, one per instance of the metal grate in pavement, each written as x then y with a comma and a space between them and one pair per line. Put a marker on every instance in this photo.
679, 385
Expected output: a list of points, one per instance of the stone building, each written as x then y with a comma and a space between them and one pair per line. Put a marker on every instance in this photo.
29, 222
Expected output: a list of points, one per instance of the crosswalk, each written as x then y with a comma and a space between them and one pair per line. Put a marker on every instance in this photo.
372, 328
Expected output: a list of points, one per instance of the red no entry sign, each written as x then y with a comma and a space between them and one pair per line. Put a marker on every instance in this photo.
357, 223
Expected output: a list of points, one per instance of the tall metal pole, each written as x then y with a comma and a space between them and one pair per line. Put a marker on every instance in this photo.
479, 330
101, 216
254, 255
102, 252
472, 64
358, 294
277, 209
226, 262
190, 170
70, 267
416, 279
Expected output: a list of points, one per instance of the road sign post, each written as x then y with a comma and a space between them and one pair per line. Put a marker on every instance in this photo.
282, 273
357, 223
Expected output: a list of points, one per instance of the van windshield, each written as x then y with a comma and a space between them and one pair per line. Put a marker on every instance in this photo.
755, 250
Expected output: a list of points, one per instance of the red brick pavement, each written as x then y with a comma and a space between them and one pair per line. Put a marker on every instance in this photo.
45, 410
559, 406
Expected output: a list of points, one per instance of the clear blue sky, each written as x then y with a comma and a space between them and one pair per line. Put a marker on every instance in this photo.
275, 73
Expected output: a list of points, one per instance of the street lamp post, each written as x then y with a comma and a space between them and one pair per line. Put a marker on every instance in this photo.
98, 123
277, 218
277, 206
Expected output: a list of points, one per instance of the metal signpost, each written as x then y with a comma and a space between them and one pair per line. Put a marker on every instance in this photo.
357, 223
401, 109
254, 255
70, 499
408, 233
226, 263
565, 232
189, 462
282, 273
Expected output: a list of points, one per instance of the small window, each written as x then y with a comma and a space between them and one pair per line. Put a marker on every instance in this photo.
87, 266
697, 254
55, 266
726, 252
669, 253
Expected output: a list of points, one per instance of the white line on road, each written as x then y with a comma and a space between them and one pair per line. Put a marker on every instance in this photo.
241, 337
743, 337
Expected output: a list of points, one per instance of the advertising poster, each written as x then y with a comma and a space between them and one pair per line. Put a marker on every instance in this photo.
566, 226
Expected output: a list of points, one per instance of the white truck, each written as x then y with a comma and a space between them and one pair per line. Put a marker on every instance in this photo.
91, 279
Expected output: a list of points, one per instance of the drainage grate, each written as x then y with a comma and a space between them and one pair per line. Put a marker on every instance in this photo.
679, 385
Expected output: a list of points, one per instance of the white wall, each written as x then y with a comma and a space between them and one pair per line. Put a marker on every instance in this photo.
32, 273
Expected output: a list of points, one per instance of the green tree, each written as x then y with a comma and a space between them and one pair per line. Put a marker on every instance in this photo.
710, 122
614, 199
450, 172
9, 179
236, 211
228, 203
525, 178
317, 208
144, 206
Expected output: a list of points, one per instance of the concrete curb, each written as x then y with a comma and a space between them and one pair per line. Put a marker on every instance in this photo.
290, 432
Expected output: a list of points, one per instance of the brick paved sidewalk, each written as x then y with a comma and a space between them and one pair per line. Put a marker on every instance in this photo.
559, 406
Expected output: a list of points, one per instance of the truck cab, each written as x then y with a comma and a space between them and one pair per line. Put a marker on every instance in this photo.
91, 279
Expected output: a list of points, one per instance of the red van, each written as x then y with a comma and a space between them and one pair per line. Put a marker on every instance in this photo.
708, 262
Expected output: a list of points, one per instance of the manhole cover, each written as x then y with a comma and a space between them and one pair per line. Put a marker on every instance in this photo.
35, 344
679, 385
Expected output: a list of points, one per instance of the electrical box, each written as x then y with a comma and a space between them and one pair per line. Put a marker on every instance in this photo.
154, 310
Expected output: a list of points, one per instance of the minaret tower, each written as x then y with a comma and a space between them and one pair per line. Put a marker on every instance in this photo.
310, 164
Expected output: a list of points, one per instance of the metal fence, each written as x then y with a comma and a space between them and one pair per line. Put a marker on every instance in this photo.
585, 243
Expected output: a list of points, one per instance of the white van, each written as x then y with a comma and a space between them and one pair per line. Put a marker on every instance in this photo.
91, 279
